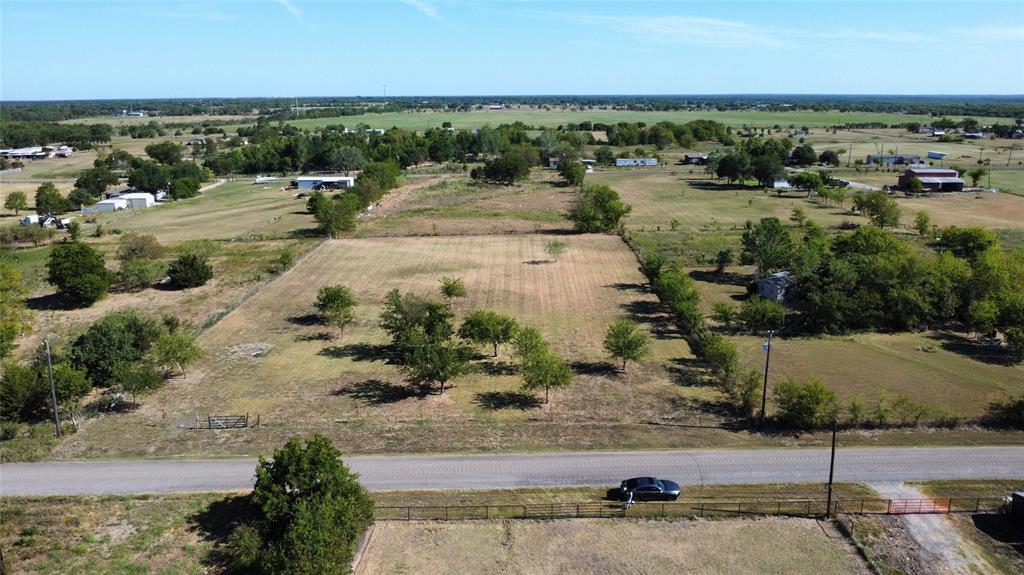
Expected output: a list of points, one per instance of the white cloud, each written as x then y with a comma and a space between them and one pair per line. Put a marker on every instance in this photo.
992, 33
428, 9
710, 32
295, 11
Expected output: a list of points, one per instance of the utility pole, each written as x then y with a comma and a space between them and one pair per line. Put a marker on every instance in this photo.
831, 467
764, 392
53, 390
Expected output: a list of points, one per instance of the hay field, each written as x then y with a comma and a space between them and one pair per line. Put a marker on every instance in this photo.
29, 189
763, 546
270, 356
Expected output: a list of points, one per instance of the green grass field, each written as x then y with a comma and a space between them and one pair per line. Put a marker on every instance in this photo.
552, 118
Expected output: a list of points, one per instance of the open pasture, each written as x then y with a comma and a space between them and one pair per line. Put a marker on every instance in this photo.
791, 546
271, 356
455, 205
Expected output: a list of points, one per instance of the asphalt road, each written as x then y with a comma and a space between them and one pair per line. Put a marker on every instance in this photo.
694, 467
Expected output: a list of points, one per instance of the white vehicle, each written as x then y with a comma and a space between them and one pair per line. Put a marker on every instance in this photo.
264, 179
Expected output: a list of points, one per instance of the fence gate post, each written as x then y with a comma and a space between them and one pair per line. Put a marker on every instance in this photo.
702, 509
408, 513
577, 510
446, 513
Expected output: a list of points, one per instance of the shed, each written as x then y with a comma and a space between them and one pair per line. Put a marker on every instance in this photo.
933, 179
111, 205
773, 287
937, 155
311, 182
624, 162
138, 200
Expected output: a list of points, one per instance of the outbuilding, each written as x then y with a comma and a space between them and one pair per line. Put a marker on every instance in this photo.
111, 205
773, 287
933, 179
314, 182
138, 200
695, 159
937, 155
626, 162
892, 159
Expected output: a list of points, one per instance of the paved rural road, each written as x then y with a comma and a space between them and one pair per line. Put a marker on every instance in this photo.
532, 470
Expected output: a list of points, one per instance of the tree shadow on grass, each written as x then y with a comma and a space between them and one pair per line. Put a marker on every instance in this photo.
495, 400
724, 278
538, 262
362, 352
305, 233
654, 315
49, 302
305, 320
318, 336
689, 372
218, 521
599, 368
498, 368
990, 353
379, 392
629, 286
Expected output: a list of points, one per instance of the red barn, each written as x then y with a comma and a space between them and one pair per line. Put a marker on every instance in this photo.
933, 179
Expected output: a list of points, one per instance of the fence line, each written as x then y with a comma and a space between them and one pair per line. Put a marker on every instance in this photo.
687, 509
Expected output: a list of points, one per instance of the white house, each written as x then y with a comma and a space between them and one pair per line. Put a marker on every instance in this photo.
138, 200
111, 205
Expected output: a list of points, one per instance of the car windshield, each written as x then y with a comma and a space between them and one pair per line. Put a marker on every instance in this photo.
660, 484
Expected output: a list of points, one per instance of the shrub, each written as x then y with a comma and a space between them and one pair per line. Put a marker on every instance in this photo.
760, 314
137, 379
22, 234
309, 512
720, 354
806, 405
189, 271
724, 313
597, 209
78, 273
141, 273
134, 245
1008, 412
184, 188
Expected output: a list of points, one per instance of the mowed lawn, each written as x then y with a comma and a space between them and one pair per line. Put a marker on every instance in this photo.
700, 203
272, 357
238, 209
736, 547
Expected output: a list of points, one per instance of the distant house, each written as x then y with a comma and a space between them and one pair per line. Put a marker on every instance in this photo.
933, 179
781, 184
925, 130
773, 287
937, 155
892, 159
974, 135
626, 162
32, 153
312, 182
695, 159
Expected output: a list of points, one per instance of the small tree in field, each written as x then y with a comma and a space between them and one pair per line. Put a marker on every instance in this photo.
723, 259
488, 327
16, 201
434, 360
309, 513
626, 341
922, 223
546, 370
176, 349
336, 305
555, 248
452, 288
138, 379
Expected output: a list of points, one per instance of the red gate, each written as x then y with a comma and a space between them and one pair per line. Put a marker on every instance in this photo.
914, 506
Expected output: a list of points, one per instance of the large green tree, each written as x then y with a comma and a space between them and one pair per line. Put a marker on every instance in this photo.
310, 512
767, 245
49, 200
488, 327
597, 208
77, 271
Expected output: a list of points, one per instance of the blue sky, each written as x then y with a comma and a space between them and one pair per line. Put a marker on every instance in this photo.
147, 48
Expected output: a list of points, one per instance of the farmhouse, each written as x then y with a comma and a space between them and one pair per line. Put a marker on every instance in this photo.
933, 179
623, 162
314, 182
892, 159
695, 159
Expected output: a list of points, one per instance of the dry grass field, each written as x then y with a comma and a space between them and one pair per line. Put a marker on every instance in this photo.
763, 546
271, 357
